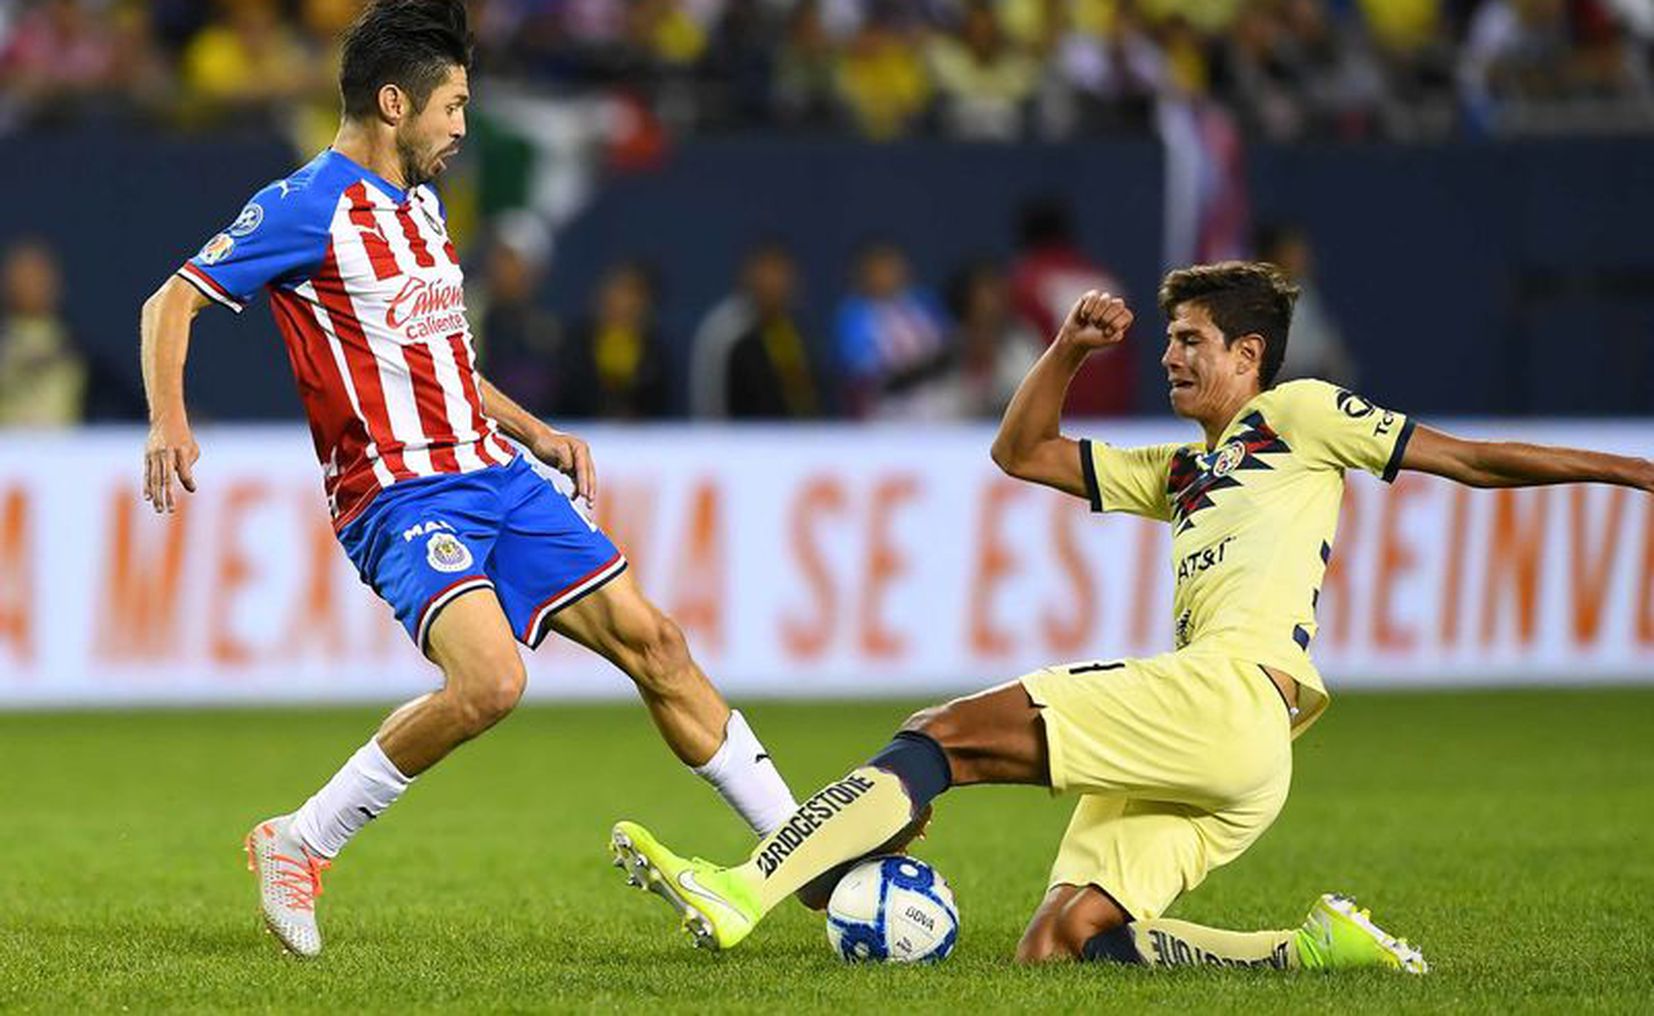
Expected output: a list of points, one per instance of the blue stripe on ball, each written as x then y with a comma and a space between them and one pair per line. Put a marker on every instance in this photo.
860, 942
906, 873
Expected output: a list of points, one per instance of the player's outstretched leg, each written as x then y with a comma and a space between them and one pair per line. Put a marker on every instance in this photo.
993, 737
483, 678
619, 623
1084, 923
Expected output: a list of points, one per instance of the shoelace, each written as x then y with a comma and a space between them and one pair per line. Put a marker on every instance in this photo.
302, 879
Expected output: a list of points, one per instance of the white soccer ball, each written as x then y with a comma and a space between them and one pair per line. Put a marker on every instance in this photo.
893, 909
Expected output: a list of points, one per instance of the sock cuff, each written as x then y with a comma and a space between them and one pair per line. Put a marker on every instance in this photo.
919, 762
1116, 946
739, 742
376, 763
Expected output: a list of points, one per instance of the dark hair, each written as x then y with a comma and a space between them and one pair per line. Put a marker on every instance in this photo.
407, 43
1243, 298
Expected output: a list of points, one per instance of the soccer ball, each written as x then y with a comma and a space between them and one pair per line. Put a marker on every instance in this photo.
893, 909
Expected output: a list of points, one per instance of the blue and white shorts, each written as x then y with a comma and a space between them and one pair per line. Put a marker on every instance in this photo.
424, 542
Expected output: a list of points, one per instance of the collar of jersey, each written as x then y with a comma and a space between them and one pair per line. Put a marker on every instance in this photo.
396, 193
1240, 414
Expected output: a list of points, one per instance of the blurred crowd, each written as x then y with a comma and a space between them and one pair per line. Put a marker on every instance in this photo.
974, 69
893, 347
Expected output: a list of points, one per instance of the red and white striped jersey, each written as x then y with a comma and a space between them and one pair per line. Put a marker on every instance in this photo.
368, 294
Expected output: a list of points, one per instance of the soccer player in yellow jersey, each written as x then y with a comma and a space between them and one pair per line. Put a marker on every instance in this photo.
1180, 761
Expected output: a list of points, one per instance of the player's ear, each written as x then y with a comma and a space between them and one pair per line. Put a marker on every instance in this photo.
1248, 352
393, 104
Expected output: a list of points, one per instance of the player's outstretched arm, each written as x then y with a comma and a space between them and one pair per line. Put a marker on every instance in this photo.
563, 452
164, 337
1513, 464
1030, 445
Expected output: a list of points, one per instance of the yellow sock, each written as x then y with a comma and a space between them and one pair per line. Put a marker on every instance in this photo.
1164, 942
843, 821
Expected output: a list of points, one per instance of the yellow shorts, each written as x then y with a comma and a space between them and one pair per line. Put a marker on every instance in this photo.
1183, 760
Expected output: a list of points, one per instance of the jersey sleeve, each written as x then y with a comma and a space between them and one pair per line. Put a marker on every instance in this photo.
1336, 427
280, 234
1128, 479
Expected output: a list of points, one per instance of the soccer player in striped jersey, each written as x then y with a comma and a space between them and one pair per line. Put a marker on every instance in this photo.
444, 519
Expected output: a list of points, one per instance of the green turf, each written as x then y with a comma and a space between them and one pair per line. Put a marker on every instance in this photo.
1509, 833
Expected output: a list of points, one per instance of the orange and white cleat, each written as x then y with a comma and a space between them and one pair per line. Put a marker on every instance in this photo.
289, 880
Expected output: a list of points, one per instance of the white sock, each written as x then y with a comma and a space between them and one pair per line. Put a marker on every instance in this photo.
365, 786
744, 775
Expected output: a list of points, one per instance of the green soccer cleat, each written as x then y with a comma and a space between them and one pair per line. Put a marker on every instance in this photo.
718, 912
1338, 935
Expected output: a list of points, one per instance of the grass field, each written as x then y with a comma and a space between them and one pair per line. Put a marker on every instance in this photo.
1510, 833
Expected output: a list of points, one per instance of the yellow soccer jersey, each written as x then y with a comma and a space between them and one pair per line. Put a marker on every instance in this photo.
1253, 519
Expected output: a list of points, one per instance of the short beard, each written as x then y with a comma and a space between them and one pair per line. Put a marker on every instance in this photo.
412, 171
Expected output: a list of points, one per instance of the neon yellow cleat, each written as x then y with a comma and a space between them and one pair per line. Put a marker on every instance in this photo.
1338, 935
718, 912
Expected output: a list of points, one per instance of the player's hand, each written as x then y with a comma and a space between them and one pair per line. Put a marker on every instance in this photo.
170, 453
568, 455
1097, 320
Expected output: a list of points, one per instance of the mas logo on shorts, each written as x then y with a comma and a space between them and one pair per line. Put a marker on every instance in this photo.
446, 554
250, 219
216, 249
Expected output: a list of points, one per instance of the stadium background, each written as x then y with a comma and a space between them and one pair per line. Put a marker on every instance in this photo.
781, 263
791, 260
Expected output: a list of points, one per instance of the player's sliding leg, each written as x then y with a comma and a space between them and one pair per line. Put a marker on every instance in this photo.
1085, 923
994, 737
483, 678
618, 622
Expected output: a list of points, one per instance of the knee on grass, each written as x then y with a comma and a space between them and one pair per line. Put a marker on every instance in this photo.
1072, 933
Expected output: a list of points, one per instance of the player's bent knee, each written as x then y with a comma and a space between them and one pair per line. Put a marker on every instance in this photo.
1069, 936
932, 721
659, 653
1038, 943
1043, 949
488, 689
482, 707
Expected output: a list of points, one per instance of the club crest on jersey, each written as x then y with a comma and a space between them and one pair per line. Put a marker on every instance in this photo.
216, 249
446, 554
250, 219
1194, 478
1227, 458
